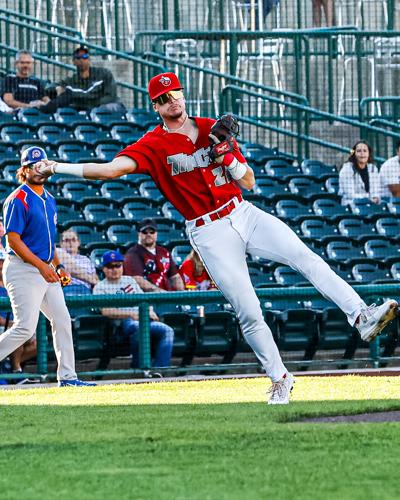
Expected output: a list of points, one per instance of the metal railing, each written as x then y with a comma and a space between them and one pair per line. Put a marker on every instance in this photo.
143, 301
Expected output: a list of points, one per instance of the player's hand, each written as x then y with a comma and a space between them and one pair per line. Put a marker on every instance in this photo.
64, 277
45, 168
49, 273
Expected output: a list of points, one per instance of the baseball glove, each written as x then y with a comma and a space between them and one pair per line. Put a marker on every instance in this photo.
222, 136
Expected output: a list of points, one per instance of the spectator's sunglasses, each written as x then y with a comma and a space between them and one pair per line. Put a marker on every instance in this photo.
148, 231
81, 56
164, 98
117, 265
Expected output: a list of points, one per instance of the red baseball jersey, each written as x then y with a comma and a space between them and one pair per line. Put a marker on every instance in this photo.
195, 281
182, 170
157, 268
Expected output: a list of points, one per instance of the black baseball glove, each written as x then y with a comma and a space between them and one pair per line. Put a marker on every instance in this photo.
222, 136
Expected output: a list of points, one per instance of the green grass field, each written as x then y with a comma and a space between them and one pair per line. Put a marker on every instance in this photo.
199, 440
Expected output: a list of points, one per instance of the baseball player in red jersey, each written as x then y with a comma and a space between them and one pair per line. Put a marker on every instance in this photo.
222, 227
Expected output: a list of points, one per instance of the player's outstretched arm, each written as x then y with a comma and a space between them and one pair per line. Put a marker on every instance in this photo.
116, 168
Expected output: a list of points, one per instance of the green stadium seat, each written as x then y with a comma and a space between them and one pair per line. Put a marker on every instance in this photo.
8, 153
270, 187
257, 153
106, 117
101, 213
140, 209
117, 191
149, 190
318, 229
382, 249
34, 117
55, 134
70, 117
388, 226
7, 119
317, 169
122, 234
170, 212
395, 271
356, 228
292, 210
17, 134
179, 253
344, 251
332, 184
107, 151
306, 187
87, 233
281, 169
89, 333
91, 133
184, 335
73, 152
329, 208
394, 206
365, 208
127, 133
80, 191
286, 276
368, 273
10, 169
142, 118
336, 333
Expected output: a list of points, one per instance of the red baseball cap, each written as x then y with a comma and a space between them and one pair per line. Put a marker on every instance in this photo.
162, 83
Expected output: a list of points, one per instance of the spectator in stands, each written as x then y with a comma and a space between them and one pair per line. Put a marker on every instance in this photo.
90, 87
161, 335
329, 10
23, 90
80, 267
359, 176
26, 351
194, 273
150, 264
389, 175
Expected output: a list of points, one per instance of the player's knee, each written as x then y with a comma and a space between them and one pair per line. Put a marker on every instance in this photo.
24, 332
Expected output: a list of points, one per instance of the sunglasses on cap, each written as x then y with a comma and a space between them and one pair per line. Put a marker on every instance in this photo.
164, 98
81, 56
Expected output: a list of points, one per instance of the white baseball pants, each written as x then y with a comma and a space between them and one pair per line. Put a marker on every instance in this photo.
223, 245
29, 294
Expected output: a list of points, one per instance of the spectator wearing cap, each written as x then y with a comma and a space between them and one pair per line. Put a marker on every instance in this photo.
150, 264
90, 87
23, 90
161, 335
389, 175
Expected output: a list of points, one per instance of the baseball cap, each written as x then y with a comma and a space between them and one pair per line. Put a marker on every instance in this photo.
147, 224
162, 83
32, 155
80, 53
112, 256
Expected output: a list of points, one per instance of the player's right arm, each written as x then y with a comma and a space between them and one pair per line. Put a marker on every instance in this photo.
118, 167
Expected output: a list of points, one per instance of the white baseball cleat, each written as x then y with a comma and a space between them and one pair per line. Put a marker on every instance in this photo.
280, 391
373, 319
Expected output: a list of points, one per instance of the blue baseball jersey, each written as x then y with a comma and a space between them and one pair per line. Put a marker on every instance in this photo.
34, 217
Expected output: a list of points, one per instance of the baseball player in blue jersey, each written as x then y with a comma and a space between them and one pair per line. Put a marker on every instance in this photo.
32, 272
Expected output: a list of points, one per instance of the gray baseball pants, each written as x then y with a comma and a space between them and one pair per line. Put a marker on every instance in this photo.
29, 294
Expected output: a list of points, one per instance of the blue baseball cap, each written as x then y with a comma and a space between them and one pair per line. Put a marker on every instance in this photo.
112, 256
32, 155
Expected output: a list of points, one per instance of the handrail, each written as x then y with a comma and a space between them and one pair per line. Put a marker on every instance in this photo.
366, 100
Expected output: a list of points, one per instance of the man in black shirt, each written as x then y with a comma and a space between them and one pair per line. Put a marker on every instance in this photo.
90, 87
23, 90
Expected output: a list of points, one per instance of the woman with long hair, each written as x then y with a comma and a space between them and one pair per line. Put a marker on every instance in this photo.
359, 176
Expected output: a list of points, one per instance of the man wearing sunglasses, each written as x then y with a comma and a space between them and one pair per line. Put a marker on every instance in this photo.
150, 264
90, 87
223, 227
32, 271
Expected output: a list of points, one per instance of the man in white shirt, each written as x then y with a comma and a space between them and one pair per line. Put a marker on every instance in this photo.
161, 335
390, 175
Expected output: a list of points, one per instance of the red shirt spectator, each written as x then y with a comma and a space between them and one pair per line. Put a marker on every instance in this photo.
150, 264
194, 273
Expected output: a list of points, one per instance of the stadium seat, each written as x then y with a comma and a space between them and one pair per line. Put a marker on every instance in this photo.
168, 236
89, 333
96, 255
73, 152
286, 276
217, 333
127, 133
54, 134
292, 210
34, 117
67, 215
184, 335
107, 151
101, 213
329, 208
306, 187
149, 190
317, 169
117, 190
336, 333
332, 184
381, 249
259, 277
87, 233
179, 253
368, 273
10, 169
395, 271
106, 117
388, 226
344, 251
367, 209
7, 118
170, 212
270, 187
140, 209
357, 229
79, 191
122, 234
281, 169
17, 134
315, 228
91, 133
142, 118
394, 206
257, 153
70, 117
5, 189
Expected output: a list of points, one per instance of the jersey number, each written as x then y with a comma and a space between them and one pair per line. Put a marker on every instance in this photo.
220, 177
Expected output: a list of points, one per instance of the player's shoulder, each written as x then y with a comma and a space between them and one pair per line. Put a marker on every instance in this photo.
19, 195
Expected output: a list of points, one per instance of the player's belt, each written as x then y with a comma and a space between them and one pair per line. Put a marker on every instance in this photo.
221, 213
